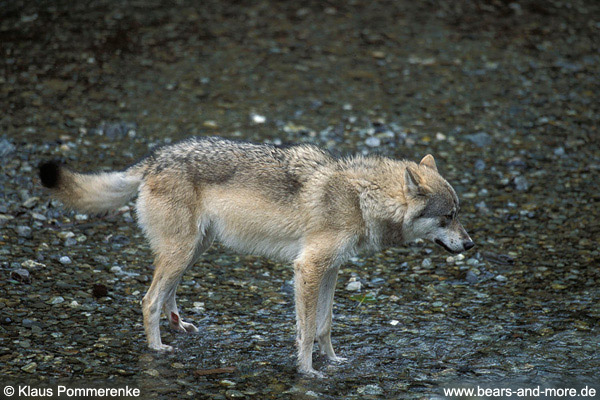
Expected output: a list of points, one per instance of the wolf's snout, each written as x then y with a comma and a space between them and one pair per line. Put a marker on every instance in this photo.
468, 245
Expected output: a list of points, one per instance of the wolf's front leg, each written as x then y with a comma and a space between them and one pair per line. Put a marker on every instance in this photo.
324, 315
307, 279
311, 270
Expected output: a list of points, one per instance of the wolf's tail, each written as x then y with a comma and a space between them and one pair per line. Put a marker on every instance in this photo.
91, 193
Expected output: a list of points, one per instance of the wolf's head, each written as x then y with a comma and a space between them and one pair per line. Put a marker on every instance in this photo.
432, 208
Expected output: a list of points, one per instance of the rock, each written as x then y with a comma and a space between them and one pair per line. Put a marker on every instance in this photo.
56, 300
234, 394
30, 368
426, 263
101, 259
30, 202
116, 270
501, 278
64, 260
70, 242
39, 217
480, 139
24, 231
27, 323
370, 390
471, 277
377, 281
479, 165
32, 265
65, 235
373, 142
21, 275
520, 183
99, 290
6, 147
353, 286
258, 119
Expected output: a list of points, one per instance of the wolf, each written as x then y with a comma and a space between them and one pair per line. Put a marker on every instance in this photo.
294, 203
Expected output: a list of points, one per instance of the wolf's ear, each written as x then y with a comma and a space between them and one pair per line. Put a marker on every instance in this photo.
429, 162
411, 181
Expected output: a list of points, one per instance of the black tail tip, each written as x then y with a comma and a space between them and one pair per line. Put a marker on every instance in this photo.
50, 173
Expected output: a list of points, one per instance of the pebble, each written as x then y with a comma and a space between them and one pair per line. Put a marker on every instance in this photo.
27, 323
101, 259
30, 202
70, 242
21, 275
6, 147
56, 300
471, 277
65, 260
370, 390
99, 290
353, 286
501, 278
258, 119
65, 235
426, 263
520, 183
116, 270
24, 231
39, 217
373, 142
234, 394
479, 165
377, 281
30, 368
480, 139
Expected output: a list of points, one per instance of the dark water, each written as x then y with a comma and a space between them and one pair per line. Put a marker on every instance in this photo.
503, 94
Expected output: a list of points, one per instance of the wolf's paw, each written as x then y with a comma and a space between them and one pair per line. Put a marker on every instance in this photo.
163, 348
337, 359
178, 325
313, 373
189, 328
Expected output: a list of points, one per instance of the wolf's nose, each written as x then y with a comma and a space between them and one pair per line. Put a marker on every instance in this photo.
468, 245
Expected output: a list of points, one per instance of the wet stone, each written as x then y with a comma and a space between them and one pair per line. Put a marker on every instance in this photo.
30, 368
6, 147
99, 290
370, 390
65, 260
21, 275
480, 139
24, 231
521, 183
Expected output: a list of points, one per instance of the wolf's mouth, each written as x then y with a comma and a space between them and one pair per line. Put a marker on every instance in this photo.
448, 249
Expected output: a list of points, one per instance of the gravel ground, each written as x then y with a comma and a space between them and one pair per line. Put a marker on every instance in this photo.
504, 94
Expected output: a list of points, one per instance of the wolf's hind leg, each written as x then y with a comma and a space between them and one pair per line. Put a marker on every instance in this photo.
170, 307
170, 266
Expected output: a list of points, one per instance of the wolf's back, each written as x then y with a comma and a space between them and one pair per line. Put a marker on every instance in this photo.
91, 193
